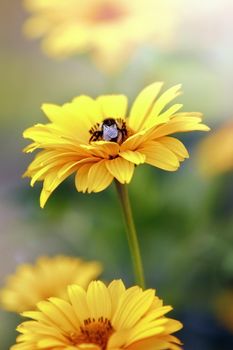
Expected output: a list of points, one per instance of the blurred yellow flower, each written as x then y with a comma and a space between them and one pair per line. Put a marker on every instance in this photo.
224, 308
101, 318
215, 152
95, 139
108, 29
47, 277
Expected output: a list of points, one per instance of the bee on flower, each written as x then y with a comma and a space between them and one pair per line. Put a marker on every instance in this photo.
98, 140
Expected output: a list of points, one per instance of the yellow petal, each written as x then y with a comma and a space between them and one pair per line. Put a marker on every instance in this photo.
98, 300
54, 314
179, 124
81, 178
51, 182
78, 299
98, 177
175, 146
113, 106
66, 309
50, 343
87, 110
102, 149
118, 339
116, 289
153, 343
133, 156
164, 99
143, 104
134, 141
163, 117
159, 156
133, 305
53, 112
121, 169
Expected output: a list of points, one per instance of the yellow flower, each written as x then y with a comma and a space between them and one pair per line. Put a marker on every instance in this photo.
48, 277
96, 140
224, 308
108, 29
101, 318
215, 153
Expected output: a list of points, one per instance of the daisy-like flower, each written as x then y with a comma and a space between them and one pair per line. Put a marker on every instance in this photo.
47, 277
109, 29
96, 140
101, 318
215, 152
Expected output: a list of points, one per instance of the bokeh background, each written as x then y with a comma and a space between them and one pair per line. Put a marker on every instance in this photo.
184, 219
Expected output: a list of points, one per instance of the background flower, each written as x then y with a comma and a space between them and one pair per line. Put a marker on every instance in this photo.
101, 318
215, 152
78, 139
47, 277
107, 29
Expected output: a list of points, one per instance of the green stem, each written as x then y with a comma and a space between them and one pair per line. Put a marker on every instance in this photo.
131, 233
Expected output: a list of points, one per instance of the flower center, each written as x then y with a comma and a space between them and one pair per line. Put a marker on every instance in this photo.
94, 332
108, 12
110, 129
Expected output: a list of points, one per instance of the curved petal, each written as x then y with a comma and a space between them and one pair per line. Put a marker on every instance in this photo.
113, 106
160, 156
163, 117
134, 303
156, 343
98, 300
134, 141
75, 118
180, 124
53, 112
116, 289
174, 145
133, 156
121, 169
66, 309
98, 177
52, 181
164, 99
81, 178
102, 149
56, 315
142, 105
78, 299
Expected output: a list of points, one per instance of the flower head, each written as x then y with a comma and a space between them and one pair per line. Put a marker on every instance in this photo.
215, 152
96, 140
108, 29
47, 277
101, 318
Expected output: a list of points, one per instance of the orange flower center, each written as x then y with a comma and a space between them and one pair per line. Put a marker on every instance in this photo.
94, 332
108, 13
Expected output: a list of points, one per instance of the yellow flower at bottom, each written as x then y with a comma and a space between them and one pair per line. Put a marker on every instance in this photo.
101, 318
47, 277
98, 141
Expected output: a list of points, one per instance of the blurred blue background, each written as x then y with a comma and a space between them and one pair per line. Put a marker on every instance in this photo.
184, 219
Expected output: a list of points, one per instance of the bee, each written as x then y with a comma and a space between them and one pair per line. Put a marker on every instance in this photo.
109, 130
